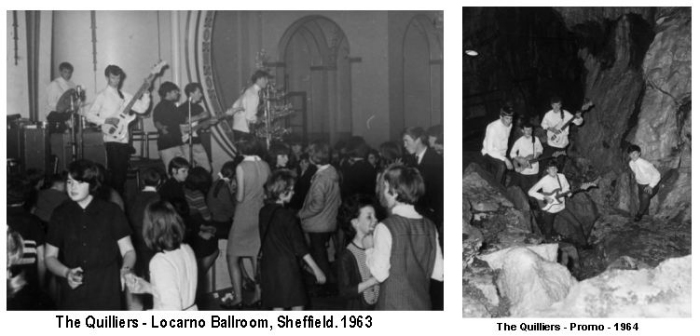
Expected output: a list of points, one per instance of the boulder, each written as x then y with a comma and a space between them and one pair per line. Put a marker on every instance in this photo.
664, 291
529, 281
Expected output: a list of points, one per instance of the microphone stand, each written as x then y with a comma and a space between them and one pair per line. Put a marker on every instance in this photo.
189, 116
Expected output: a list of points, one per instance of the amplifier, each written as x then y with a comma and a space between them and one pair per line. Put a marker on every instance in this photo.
28, 146
93, 148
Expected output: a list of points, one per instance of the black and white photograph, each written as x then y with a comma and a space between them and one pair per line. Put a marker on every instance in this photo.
263, 160
576, 160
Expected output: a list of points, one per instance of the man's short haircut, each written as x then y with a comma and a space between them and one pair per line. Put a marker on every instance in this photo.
279, 182
357, 147
88, 172
407, 183
56, 178
320, 152
507, 111
259, 74
115, 71
166, 87
417, 133
163, 228
435, 131
527, 124
552, 163
151, 177
634, 148
555, 100
176, 164
192, 87
65, 65
198, 179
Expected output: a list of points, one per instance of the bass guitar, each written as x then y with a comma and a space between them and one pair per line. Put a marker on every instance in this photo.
119, 130
522, 163
204, 123
556, 197
558, 138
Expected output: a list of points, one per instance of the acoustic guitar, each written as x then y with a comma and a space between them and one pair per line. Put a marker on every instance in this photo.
119, 131
522, 163
556, 197
558, 139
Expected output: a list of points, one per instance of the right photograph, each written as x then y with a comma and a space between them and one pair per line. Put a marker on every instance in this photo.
576, 185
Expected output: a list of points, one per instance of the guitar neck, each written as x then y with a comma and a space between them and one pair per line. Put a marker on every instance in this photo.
146, 84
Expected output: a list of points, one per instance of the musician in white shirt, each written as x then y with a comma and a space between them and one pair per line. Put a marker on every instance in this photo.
58, 86
249, 102
558, 138
647, 177
522, 148
549, 183
106, 108
495, 146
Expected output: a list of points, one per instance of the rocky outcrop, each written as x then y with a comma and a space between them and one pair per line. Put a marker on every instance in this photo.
664, 291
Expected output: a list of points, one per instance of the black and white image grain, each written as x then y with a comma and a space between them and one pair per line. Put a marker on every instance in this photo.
576, 162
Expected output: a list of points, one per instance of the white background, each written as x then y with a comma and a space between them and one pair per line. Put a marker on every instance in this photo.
449, 322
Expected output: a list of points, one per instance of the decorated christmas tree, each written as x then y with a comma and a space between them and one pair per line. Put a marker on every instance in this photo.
275, 109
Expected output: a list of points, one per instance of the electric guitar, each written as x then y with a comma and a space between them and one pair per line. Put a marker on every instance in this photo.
204, 123
522, 163
119, 131
556, 197
557, 139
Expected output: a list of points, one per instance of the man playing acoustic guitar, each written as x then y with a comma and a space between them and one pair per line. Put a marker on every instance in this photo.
108, 110
524, 153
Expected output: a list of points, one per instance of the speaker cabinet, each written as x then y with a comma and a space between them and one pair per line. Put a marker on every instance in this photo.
28, 146
93, 149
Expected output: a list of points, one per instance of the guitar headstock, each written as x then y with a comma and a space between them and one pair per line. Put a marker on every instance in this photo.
589, 185
158, 67
587, 104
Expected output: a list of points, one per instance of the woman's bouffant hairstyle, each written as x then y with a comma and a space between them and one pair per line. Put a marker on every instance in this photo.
163, 228
390, 151
407, 183
86, 171
228, 171
249, 144
350, 209
279, 182
320, 152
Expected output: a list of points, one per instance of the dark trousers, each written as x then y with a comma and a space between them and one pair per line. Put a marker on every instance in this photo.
496, 167
645, 198
560, 160
117, 163
318, 251
547, 227
525, 182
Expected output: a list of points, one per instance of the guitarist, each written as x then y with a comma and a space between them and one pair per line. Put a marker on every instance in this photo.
552, 122
167, 120
546, 185
525, 148
105, 109
249, 103
192, 107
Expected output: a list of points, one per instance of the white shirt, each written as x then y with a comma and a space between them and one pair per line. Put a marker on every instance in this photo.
108, 104
554, 119
645, 173
496, 140
524, 147
249, 100
419, 156
548, 184
378, 257
174, 279
54, 92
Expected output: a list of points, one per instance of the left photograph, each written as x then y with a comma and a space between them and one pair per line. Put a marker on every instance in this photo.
224, 160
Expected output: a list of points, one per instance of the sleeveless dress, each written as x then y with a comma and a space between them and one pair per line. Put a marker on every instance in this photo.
244, 238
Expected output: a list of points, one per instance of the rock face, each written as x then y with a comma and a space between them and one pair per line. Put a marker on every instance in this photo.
664, 291
492, 212
531, 278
